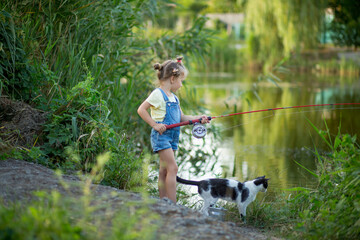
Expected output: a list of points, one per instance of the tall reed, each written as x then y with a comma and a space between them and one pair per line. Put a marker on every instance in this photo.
329, 209
92, 68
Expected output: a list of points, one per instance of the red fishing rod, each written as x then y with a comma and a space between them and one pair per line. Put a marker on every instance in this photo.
262, 110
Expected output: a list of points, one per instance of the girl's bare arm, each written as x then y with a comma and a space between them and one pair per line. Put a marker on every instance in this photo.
144, 114
204, 118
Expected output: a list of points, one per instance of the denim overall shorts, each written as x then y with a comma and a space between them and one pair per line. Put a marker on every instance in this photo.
169, 138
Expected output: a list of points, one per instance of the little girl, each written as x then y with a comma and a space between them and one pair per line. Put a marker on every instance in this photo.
165, 109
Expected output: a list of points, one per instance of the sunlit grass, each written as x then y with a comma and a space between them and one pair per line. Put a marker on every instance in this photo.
326, 210
79, 213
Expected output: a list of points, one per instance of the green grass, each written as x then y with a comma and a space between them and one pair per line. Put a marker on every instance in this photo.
88, 65
330, 210
79, 214
55, 216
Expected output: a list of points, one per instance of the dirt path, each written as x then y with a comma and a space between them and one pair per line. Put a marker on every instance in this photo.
18, 179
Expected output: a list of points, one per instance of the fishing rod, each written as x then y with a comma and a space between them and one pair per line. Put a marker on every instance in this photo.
199, 131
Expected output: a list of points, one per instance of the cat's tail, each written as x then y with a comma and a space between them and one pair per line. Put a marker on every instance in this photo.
188, 182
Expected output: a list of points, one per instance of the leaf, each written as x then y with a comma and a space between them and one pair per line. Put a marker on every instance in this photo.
311, 172
275, 77
269, 79
318, 131
257, 96
328, 132
282, 70
337, 142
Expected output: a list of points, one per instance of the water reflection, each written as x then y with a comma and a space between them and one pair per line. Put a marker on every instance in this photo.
269, 143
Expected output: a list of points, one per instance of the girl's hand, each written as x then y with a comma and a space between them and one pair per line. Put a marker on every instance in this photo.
204, 119
160, 128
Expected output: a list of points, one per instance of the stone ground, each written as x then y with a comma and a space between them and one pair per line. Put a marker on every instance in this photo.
18, 179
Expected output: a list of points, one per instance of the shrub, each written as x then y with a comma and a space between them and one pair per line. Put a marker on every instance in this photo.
328, 211
53, 216
80, 215
333, 209
95, 113
16, 73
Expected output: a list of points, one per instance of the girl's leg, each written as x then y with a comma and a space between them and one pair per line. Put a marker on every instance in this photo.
162, 179
167, 161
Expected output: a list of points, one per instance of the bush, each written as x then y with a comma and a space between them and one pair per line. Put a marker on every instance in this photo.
16, 73
93, 111
329, 211
40, 220
81, 214
333, 209
53, 216
80, 129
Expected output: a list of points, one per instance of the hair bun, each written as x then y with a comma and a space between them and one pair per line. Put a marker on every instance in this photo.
157, 66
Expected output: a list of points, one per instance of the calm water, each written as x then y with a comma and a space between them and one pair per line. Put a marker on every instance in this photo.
269, 143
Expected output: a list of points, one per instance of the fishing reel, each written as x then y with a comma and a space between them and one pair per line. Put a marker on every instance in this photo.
198, 131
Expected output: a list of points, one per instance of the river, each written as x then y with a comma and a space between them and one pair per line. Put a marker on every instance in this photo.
272, 143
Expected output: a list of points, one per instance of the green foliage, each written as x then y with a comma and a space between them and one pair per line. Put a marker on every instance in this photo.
34, 154
333, 209
345, 26
53, 216
194, 156
343, 67
81, 216
322, 66
13, 153
77, 123
223, 56
196, 6
124, 170
195, 41
16, 74
328, 210
92, 110
253, 46
283, 26
39, 220
80, 129
63, 33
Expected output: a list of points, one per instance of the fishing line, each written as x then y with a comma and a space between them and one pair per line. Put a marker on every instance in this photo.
199, 131
254, 111
245, 123
282, 114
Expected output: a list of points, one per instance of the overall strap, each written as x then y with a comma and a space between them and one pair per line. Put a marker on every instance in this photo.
164, 95
176, 98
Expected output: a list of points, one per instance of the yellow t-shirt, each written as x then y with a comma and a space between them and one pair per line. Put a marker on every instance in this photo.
158, 106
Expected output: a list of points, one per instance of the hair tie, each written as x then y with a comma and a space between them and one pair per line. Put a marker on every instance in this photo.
179, 59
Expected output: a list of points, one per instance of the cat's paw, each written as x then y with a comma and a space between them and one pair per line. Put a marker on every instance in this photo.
243, 218
205, 212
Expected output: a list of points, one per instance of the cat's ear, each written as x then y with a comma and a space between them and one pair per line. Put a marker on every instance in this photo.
260, 177
267, 179
259, 181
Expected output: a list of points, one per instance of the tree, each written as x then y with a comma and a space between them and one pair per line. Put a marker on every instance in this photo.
346, 23
281, 26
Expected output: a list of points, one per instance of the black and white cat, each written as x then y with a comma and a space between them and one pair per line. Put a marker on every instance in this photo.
227, 189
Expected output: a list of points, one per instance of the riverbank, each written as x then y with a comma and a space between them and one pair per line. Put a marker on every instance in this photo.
19, 179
